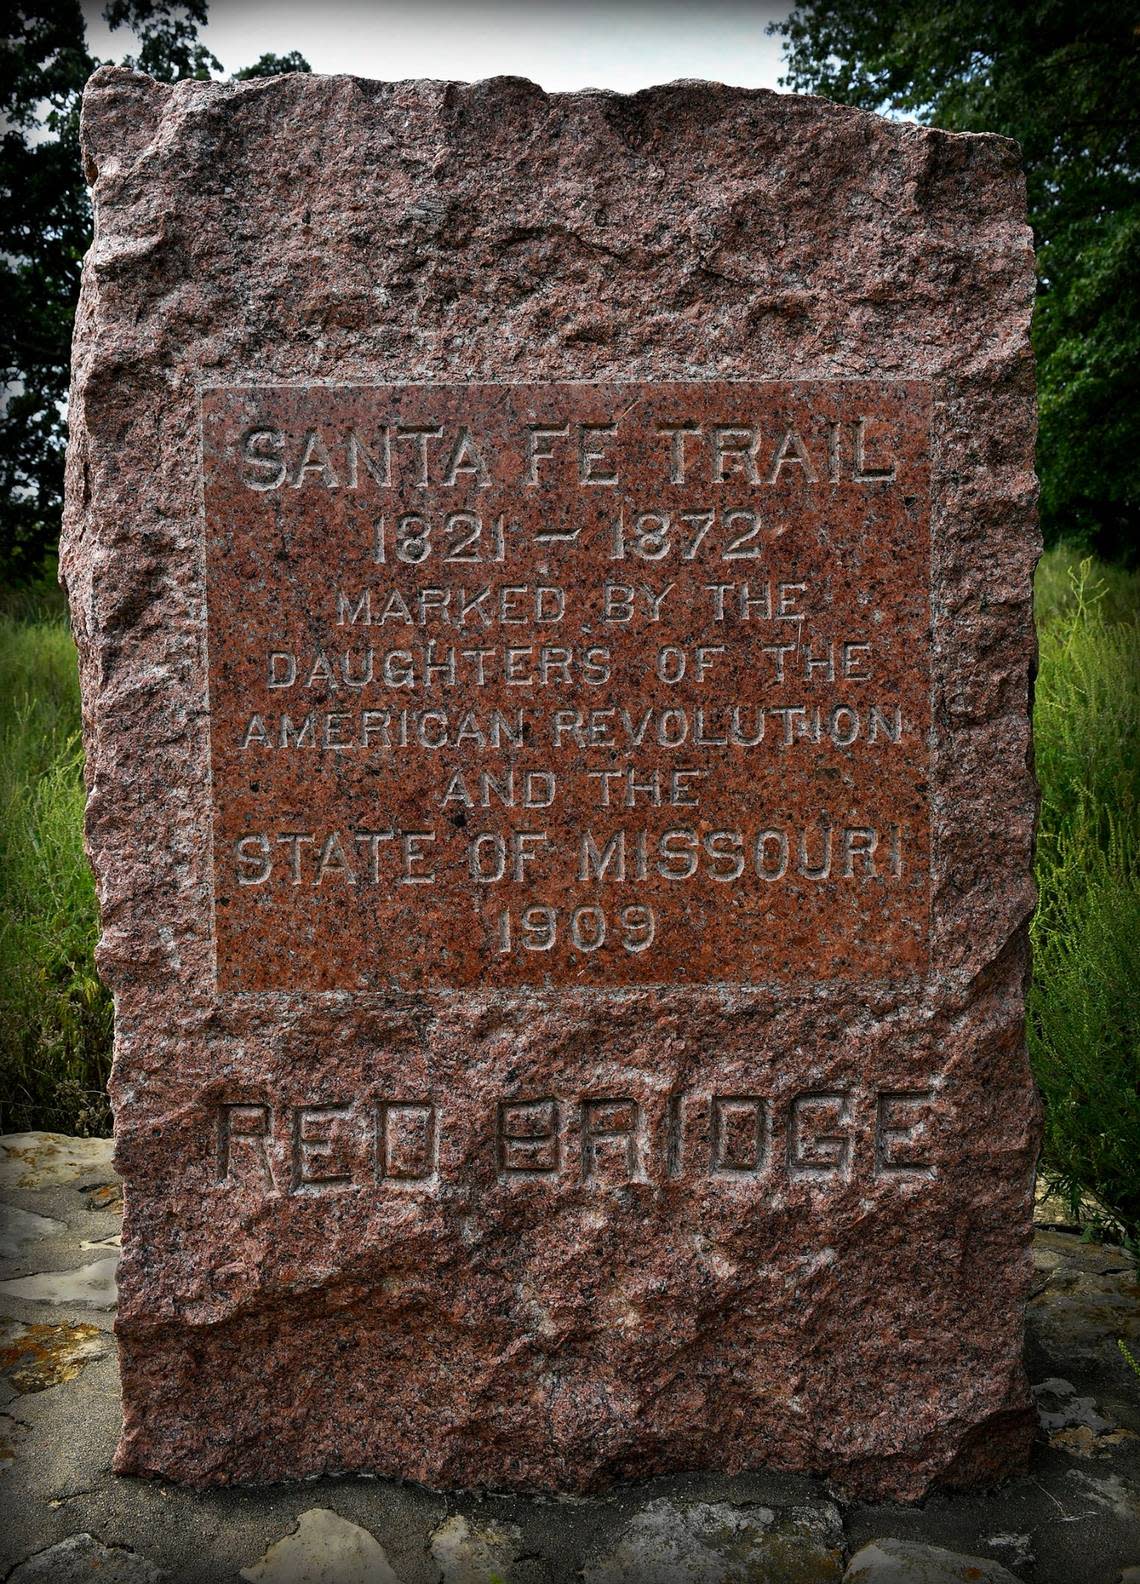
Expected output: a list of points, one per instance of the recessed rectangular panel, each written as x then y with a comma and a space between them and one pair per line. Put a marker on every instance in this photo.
569, 683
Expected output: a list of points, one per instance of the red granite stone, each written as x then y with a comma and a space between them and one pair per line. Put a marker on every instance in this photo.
639, 696
552, 579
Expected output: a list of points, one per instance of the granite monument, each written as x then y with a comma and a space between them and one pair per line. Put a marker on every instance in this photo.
552, 580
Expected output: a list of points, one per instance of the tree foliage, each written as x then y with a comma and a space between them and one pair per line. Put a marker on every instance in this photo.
273, 66
45, 226
1062, 77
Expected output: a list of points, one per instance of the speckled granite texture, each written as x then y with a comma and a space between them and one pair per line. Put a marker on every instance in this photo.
439, 1315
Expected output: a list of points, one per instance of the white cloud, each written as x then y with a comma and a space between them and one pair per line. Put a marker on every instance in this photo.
561, 44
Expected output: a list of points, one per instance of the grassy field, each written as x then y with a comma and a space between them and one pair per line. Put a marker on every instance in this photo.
55, 1017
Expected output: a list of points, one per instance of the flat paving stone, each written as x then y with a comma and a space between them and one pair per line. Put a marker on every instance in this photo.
472, 1553
724, 1543
81, 1559
48, 1160
904, 1562
91, 1286
323, 1549
23, 1228
34, 1357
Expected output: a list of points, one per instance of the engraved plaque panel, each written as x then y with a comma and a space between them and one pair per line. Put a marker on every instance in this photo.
568, 684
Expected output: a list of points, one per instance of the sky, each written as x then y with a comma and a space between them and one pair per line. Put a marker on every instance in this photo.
560, 44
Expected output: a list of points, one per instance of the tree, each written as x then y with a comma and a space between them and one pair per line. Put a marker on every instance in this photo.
273, 66
1062, 77
45, 226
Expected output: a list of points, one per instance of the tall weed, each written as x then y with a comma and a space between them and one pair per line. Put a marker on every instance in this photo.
1084, 1006
55, 1016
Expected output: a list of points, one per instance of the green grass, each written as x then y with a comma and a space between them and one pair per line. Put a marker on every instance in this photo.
1084, 1005
1084, 1022
55, 1016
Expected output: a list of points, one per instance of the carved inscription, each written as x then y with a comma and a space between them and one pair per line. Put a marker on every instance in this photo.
825, 1137
568, 684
